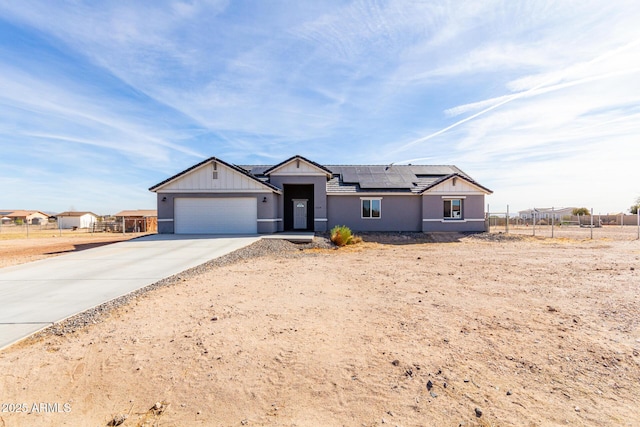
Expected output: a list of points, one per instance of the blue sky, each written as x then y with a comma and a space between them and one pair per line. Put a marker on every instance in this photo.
538, 101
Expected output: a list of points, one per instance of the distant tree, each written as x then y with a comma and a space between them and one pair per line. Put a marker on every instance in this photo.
634, 208
580, 211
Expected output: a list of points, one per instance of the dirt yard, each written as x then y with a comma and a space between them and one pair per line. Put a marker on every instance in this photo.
20, 251
490, 330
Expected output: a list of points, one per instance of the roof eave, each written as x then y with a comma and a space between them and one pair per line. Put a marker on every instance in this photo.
156, 188
456, 175
326, 171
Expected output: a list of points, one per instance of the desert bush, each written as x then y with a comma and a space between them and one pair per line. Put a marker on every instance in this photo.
341, 235
580, 211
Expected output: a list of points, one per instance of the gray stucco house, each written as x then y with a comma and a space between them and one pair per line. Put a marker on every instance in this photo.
216, 197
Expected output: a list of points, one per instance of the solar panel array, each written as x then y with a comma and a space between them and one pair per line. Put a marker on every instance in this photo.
381, 177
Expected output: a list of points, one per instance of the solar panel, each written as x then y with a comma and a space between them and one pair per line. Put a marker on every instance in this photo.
384, 185
383, 177
349, 175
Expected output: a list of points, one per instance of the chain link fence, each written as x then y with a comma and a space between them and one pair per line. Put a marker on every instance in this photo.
50, 229
544, 223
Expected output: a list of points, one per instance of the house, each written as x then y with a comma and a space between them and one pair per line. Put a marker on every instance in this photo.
139, 220
76, 219
26, 217
556, 214
216, 197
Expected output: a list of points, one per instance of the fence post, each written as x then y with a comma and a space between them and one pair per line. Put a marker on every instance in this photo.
553, 219
488, 219
507, 230
591, 228
533, 216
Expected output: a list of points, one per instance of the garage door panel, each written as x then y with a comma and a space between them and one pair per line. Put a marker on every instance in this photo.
228, 215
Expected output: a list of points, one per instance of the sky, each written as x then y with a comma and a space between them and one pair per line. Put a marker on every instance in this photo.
538, 101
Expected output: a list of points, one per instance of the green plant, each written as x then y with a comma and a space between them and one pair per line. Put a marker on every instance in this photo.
580, 211
341, 235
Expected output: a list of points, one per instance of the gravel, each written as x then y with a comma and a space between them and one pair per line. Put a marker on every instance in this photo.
496, 237
407, 237
263, 247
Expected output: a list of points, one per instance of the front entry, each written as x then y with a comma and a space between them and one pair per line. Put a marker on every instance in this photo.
300, 214
294, 217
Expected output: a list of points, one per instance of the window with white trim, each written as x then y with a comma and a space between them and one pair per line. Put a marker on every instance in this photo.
452, 209
370, 208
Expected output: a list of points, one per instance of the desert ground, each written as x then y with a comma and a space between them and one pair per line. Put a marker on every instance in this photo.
482, 330
18, 249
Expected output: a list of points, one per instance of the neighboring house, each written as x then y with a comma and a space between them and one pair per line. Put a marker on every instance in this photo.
76, 219
139, 220
27, 217
4, 219
546, 213
216, 197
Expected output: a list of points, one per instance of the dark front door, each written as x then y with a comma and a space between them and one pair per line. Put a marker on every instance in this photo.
298, 217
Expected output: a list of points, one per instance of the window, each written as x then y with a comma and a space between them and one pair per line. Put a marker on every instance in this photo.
370, 208
453, 209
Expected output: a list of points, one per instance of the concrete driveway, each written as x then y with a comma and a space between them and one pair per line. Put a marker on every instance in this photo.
38, 294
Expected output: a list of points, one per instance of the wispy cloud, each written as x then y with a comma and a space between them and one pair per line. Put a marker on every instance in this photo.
530, 88
60, 104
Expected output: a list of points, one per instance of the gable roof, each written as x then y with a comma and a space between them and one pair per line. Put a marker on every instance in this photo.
455, 175
272, 169
409, 179
211, 160
346, 179
21, 213
75, 213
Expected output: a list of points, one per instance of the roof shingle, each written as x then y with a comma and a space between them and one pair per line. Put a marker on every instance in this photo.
410, 179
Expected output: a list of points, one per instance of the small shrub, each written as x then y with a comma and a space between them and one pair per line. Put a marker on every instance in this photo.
341, 235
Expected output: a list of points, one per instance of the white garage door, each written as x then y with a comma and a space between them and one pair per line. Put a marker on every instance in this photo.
237, 215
